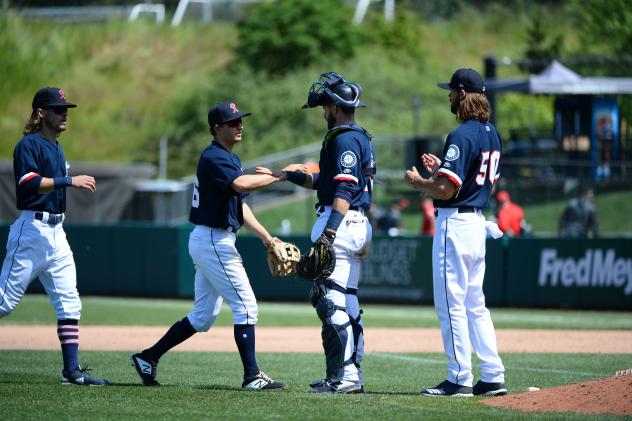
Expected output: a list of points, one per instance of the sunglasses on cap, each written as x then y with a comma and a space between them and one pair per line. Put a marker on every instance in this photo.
233, 123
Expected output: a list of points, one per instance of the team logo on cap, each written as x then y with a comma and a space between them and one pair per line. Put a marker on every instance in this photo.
233, 107
61, 94
348, 159
452, 153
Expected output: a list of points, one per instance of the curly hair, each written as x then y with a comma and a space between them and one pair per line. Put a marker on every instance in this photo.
34, 124
473, 106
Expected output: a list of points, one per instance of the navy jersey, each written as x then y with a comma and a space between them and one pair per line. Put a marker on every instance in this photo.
215, 203
346, 156
471, 160
35, 157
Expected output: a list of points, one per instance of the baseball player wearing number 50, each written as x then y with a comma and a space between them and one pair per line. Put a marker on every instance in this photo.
461, 186
218, 212
37, 245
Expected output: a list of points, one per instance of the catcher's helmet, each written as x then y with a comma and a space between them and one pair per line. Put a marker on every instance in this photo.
333, 88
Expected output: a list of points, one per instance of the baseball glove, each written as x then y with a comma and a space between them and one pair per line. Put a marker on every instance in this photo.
319, 262
283, 258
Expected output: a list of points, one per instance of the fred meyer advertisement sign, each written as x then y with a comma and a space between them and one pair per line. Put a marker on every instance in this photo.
570, 272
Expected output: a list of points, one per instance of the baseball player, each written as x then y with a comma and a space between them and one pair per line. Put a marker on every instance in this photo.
344, 187
37, 245
461, 185
218, 212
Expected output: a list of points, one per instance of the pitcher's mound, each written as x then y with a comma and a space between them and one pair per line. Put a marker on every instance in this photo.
612, 395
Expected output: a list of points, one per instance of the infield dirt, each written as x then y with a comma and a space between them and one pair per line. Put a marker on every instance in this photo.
307, 339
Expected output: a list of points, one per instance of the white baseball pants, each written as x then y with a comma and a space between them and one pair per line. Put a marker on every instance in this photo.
38, 249
352, 241
458, 269
219, 275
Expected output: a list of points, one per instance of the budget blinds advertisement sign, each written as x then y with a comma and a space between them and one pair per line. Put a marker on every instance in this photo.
571, 273
397, 269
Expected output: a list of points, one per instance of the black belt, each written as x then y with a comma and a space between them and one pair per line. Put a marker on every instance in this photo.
229, 229
462, 209
53, 219
321, 209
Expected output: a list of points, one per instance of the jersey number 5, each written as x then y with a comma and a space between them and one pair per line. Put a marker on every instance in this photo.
489, 166
195, 202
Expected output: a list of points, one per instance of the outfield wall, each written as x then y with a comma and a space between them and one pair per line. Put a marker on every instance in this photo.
153, 261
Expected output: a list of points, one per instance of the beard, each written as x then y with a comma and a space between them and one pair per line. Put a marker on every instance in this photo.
454, 106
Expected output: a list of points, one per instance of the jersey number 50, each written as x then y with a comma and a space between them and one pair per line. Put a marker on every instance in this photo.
489, 166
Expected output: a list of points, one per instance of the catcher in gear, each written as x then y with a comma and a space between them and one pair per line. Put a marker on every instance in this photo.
341, 233
282, 257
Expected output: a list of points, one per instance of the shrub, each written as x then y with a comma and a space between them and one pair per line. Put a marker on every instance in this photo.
282, 36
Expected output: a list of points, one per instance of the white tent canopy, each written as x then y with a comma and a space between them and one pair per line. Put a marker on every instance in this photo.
557, 79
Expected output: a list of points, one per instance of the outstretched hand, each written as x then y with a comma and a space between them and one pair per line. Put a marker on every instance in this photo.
431, 162
296, 167
279, 174
85, 182
412, 175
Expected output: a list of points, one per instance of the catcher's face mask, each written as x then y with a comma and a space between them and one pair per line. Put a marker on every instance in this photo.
333, 88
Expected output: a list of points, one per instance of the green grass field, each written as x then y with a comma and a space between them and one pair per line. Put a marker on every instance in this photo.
35, 309
199, 385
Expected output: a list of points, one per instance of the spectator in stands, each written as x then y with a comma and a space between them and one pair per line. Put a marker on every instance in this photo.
580, 216
391, 222
375, 215
510, 216
427, 217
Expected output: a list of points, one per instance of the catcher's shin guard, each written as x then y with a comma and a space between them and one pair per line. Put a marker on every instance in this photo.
334, 337
358, 342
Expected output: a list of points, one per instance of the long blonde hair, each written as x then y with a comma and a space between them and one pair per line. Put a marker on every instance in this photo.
473, 106
34, 125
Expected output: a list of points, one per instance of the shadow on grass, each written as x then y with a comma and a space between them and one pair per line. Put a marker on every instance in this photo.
376, 393
218, 387
160, 386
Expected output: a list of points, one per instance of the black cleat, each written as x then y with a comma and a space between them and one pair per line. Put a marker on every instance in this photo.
146, 369
80, 376
261, 381
447, 388
490, 389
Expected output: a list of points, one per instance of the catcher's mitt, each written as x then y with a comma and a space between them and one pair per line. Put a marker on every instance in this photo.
319, 262
282, 258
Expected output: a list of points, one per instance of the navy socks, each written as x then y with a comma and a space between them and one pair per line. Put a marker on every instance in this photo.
245, 340
178, 333
68, 334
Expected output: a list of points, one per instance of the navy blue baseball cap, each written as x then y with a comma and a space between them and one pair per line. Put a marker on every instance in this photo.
51, 98
467, 79
223, 113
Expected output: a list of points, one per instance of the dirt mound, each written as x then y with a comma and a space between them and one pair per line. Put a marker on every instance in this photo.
612, 395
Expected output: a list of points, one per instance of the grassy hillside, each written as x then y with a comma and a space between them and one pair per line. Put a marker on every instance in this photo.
135, 82
125, 77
